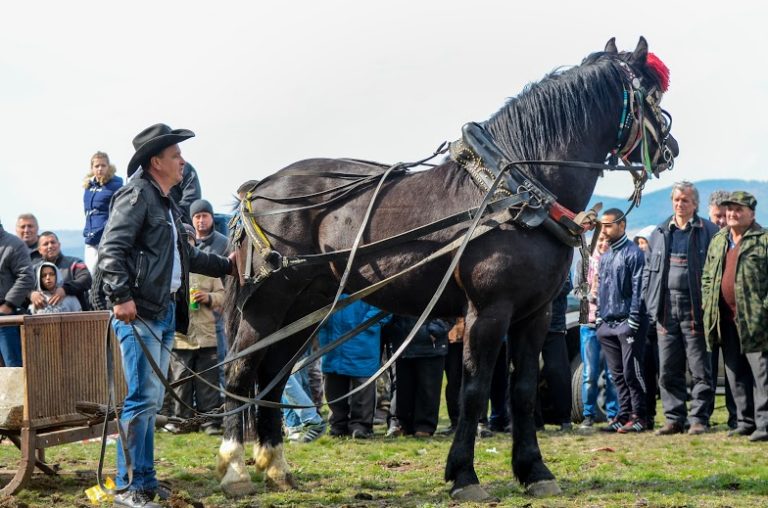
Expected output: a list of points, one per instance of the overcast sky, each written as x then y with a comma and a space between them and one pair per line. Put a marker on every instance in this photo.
264, 84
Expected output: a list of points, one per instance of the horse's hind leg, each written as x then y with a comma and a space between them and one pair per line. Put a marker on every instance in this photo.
482, 342
240, 376
525, 340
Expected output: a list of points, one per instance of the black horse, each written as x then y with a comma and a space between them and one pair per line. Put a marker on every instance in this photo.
504, 283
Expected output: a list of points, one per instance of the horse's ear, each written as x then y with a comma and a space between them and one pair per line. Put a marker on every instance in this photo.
610, 46
641, 51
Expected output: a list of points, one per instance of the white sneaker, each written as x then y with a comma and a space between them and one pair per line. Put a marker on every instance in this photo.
293, 434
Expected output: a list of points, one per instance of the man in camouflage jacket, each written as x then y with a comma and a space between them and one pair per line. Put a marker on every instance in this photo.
735, 301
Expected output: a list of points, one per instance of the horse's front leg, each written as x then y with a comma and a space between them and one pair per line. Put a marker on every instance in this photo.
525, 340
268, 452
482, 341
240, 376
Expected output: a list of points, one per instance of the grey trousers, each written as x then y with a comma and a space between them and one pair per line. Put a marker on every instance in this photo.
747, 375
681, 339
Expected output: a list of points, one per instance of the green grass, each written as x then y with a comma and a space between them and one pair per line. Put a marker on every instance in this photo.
593, 470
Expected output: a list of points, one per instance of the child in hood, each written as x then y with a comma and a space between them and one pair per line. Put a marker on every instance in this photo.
48, 282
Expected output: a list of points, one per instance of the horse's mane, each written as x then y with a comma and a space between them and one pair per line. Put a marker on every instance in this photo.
583, 96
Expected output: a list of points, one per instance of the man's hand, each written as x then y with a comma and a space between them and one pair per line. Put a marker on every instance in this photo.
38, 300
125, 312
58, 296
6, 309
201, 297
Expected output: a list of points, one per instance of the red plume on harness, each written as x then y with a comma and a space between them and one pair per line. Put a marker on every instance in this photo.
658, 68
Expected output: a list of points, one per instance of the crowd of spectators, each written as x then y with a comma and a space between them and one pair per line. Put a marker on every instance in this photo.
667, 306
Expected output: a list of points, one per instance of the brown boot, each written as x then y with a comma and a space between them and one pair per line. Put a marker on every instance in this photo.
697, 428
670, 428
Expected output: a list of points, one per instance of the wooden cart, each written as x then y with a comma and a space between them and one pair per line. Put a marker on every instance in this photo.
64, 363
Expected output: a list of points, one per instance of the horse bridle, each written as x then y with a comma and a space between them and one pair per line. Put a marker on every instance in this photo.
642, 116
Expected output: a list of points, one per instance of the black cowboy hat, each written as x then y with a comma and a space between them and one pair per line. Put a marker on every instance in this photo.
152, 141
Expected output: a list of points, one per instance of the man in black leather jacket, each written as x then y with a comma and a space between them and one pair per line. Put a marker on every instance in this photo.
143, 272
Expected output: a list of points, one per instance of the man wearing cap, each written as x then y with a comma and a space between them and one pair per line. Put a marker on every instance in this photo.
672, 293
208, 239
143, 275
735, 299
717, 216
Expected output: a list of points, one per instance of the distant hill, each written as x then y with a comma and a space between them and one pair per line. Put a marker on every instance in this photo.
71, 242
656, 206
653, 209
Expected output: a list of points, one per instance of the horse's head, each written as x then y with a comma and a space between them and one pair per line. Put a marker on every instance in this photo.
644, 132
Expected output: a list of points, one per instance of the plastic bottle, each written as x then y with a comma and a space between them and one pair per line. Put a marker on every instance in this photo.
193, 305
96, 494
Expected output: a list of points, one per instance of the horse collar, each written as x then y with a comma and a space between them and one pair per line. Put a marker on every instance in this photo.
478, 154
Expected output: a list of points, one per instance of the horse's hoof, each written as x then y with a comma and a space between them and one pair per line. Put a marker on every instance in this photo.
544, 488
283, 484
472, 493
238, 489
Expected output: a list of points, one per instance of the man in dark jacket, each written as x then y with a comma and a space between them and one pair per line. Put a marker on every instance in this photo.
75, 275
16, 281
143, 271
556, 371
419, 373
622, 322
672, 285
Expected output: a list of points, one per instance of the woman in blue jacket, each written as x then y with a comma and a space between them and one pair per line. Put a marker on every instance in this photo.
100, 184
350, 365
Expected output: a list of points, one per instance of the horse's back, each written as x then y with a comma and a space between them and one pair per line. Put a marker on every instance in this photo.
321, 173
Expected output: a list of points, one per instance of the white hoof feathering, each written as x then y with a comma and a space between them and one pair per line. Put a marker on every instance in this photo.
231, 465
271, 461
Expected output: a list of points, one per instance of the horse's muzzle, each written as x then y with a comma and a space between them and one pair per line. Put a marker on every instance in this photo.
672, 145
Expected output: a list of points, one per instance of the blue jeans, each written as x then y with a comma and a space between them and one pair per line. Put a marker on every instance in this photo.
145, 395
10, 345
594, 364
296, 392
